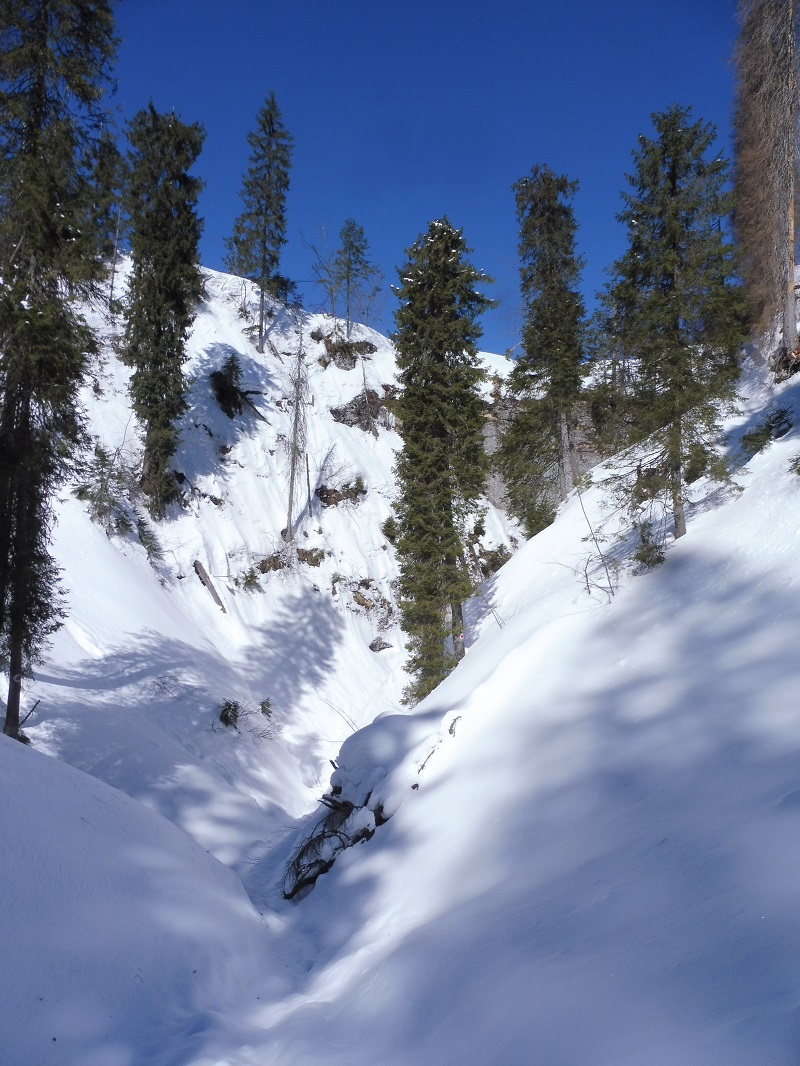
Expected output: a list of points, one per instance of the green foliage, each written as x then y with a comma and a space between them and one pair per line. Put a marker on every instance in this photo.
442, 467
233, 715
54, 62
109, 177
165, 286
776, 424
149, 540
537, 448
227, 385
528, 459
650, 550
229, 712
259, 233
109, 484
248, 580
549, 280
353, 275
673, 311
391, 529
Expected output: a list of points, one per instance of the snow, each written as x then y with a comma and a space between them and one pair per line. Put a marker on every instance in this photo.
591, 854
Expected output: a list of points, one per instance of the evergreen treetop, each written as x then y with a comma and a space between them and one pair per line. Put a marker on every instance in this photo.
259, 233
441, 468
537, 455
549, 278
353, 274
54, 60
674, 305
165, 284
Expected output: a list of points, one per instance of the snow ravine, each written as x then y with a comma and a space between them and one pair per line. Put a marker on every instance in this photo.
591, 856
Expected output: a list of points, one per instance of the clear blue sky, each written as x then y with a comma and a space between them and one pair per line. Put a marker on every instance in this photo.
404, 112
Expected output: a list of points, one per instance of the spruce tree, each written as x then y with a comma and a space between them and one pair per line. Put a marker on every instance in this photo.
165, 285
765, 171
354, 276
676, 309
54, 59
441, 469
537, 455
259, 233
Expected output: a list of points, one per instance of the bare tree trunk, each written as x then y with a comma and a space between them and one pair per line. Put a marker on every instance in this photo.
11, 726
260, 345
567, 469
114, 263
457, 625
790, 308
297, 443
676, 478
573, 454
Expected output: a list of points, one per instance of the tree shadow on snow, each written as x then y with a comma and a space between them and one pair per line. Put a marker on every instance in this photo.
640, 875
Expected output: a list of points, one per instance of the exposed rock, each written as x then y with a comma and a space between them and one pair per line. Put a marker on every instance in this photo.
379, 644
362, 411
330, 497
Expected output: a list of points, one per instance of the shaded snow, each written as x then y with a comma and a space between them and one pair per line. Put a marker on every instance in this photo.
592, 855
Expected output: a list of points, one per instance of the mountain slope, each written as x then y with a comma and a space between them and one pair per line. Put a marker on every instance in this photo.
591, 847
594, 853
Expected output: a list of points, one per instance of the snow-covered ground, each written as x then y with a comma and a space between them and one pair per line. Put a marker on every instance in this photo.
591, 856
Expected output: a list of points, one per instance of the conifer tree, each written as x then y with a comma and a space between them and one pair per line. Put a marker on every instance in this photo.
765, 171
165, 285
441, 469
538, 447
677, 312
259, 233
354, 276
54, 59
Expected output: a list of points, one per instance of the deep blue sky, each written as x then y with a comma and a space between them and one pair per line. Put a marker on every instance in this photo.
407, 111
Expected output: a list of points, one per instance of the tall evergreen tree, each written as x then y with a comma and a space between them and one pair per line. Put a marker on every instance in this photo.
538, 447
441, 469
259, 233
354, 276
54, 60
765, 172
677, 312
165, 285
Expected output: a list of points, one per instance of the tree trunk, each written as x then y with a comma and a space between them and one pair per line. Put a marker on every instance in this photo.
11, 726
260, 345
573, 454
567, 474
457, 616
790, 308
676, 479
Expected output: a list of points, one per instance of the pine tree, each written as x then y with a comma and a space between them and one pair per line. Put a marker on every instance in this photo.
165, 285
54, 59
109, 178
538, 447
677, 312
765, 172
441, 469
259, 233
353, 274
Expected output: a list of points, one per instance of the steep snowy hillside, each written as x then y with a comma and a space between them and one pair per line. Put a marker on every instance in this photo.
593, 851
583, 846
133, 689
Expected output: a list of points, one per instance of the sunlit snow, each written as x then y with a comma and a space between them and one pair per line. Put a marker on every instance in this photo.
592, 848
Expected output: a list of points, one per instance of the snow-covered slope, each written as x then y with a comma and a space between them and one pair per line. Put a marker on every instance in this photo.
133, 688
591, 848
594, 851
